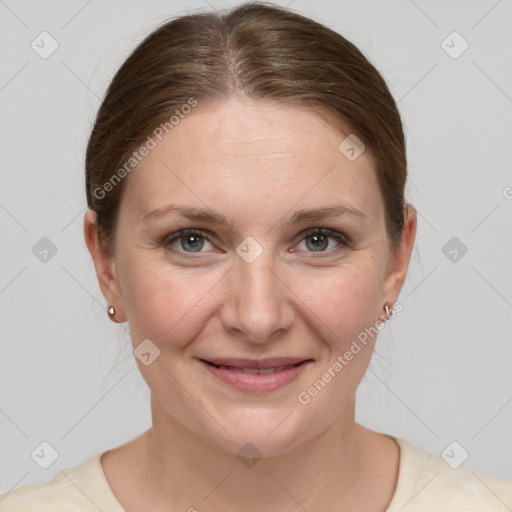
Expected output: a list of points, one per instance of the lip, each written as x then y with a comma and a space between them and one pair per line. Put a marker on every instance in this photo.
270, 362
233, 372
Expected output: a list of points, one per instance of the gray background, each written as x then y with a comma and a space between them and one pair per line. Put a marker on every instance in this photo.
442, 372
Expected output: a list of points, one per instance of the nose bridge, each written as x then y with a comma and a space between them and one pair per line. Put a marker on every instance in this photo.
257, 301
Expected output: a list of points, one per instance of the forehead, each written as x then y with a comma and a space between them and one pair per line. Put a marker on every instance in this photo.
237, 153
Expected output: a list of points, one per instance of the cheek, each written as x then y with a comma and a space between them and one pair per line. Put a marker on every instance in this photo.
170, 305
163, 303
345, 305
342, 302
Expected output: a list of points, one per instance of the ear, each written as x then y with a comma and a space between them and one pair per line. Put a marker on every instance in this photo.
399, 260
105, 266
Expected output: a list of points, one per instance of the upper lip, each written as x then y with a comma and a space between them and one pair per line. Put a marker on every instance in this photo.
260, 364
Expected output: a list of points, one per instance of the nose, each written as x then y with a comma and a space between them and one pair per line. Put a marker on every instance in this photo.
259, 302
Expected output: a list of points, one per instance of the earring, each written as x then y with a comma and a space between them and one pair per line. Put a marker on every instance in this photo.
390, 311
387, 314
111, 312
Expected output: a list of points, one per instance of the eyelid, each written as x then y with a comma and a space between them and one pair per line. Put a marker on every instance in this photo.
176, 235
333, 233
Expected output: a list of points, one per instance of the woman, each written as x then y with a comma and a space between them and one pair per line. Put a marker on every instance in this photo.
245, 181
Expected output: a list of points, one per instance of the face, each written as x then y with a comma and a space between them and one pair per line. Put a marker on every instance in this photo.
252, 254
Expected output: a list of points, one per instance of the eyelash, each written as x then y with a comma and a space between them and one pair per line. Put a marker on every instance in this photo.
341, 238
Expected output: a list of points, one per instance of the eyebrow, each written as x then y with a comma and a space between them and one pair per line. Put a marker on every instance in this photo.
210, 217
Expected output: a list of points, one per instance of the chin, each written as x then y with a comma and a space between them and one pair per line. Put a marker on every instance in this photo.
260, 432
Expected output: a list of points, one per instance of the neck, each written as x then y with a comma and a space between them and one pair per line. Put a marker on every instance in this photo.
182, 471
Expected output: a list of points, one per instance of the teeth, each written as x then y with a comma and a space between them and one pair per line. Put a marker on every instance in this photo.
250, 370
254, 371
271, 370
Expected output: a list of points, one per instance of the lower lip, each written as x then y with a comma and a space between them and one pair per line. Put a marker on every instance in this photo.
255, 382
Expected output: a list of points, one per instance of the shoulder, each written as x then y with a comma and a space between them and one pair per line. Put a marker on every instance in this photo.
82, 488
428, 482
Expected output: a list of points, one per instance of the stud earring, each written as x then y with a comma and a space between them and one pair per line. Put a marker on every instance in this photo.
389, 311
387, 314
111, 312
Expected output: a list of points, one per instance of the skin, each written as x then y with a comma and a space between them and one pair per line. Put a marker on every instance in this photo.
256, 164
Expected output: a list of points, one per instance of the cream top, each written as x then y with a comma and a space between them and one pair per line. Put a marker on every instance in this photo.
425, 483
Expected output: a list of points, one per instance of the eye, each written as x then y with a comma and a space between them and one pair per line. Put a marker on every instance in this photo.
187, 239
317, 240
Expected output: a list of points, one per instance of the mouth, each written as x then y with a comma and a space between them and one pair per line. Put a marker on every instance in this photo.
256, 375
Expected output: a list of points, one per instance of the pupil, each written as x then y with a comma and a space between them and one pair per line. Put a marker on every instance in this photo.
319, 241
195, 244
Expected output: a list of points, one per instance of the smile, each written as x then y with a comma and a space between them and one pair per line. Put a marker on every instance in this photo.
256, 376
253, 371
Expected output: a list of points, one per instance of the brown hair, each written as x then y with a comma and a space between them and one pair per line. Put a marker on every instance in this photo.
258, 51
